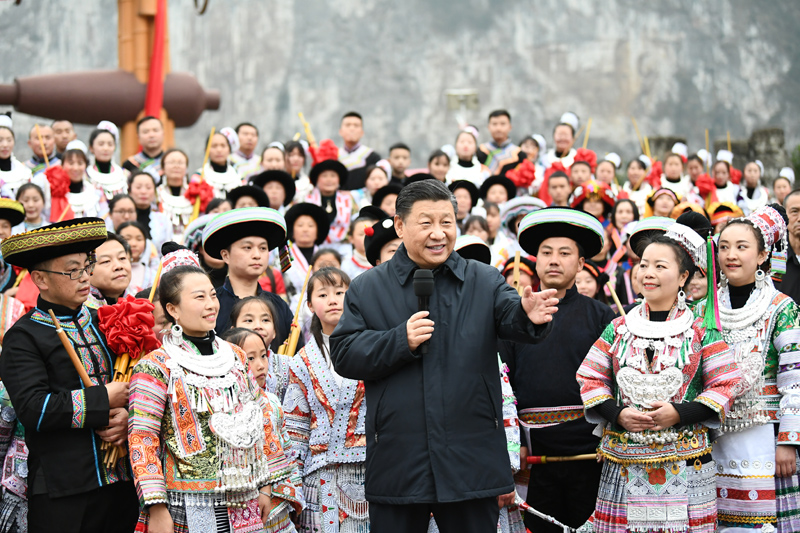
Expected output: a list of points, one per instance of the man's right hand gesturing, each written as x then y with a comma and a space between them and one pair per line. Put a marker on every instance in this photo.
419, 328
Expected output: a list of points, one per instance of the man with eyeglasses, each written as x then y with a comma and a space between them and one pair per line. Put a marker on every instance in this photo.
68, 488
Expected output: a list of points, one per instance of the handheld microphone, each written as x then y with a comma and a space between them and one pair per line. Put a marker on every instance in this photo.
423, 289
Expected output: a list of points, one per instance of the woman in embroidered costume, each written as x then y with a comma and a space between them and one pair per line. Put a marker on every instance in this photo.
143, 191
760, 325
377, 177
752, 194
144, 260
14, 455
287, 495
219, 172
307, 226
327, 176
202, 438
655, 381
258, 314
325, 418
465, 166
175, 206
13, 173
105, 173
85, 198
13, 450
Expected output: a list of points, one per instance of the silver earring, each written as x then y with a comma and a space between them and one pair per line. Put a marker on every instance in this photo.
681, 300
723, 280
761, 279
176, 334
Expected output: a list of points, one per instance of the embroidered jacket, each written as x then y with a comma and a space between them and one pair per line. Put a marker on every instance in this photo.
770, 361
288, 492
50, 400
325, 420
173, 449
13, 450
694, 366
344, 210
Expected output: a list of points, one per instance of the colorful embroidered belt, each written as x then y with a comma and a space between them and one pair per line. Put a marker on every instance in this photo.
545, 417
619, 448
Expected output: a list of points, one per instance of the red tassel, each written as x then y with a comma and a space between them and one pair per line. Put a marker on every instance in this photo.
587, 156
523, 175
325, 151
654, 178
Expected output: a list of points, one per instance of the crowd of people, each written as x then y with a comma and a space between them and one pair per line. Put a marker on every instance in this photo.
609, 347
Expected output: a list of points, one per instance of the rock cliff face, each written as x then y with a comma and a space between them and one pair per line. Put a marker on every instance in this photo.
678, 66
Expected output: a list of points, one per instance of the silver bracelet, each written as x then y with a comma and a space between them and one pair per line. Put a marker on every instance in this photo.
264, 494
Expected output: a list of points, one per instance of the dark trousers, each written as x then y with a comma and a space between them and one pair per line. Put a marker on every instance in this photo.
565, 491
110, 509
471, 516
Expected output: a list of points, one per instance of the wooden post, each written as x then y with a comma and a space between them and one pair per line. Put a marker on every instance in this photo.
136, 26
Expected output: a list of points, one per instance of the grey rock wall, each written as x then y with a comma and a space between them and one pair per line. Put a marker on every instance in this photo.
678, 66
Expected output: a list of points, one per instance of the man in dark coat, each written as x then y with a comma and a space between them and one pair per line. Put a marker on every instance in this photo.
543, 375
69, 487
790, 284
435, 437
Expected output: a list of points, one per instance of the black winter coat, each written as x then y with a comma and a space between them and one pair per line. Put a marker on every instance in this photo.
434, 423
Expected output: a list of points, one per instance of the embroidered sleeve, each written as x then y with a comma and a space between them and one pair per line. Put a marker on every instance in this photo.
78, 408
596, 375
288, 491
786, 342
297, 414
510, 420
720, 377
148, 398
8, 420
279, 462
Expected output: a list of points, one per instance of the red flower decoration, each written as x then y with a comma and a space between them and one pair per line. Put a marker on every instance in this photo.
657, 476
705, 185
654, 178
325, 151
59, 181
587, 156
200, 189
128, 326
60, 208
736, 176
544, 195
523, 175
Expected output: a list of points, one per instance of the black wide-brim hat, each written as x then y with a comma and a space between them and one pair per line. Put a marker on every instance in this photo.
12, 211
79, 235
511, 189
472, 247
383, 232
256, 193
469, 186
284, 178
314, 211
383, 192
328, 164
228, 227
567, 222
